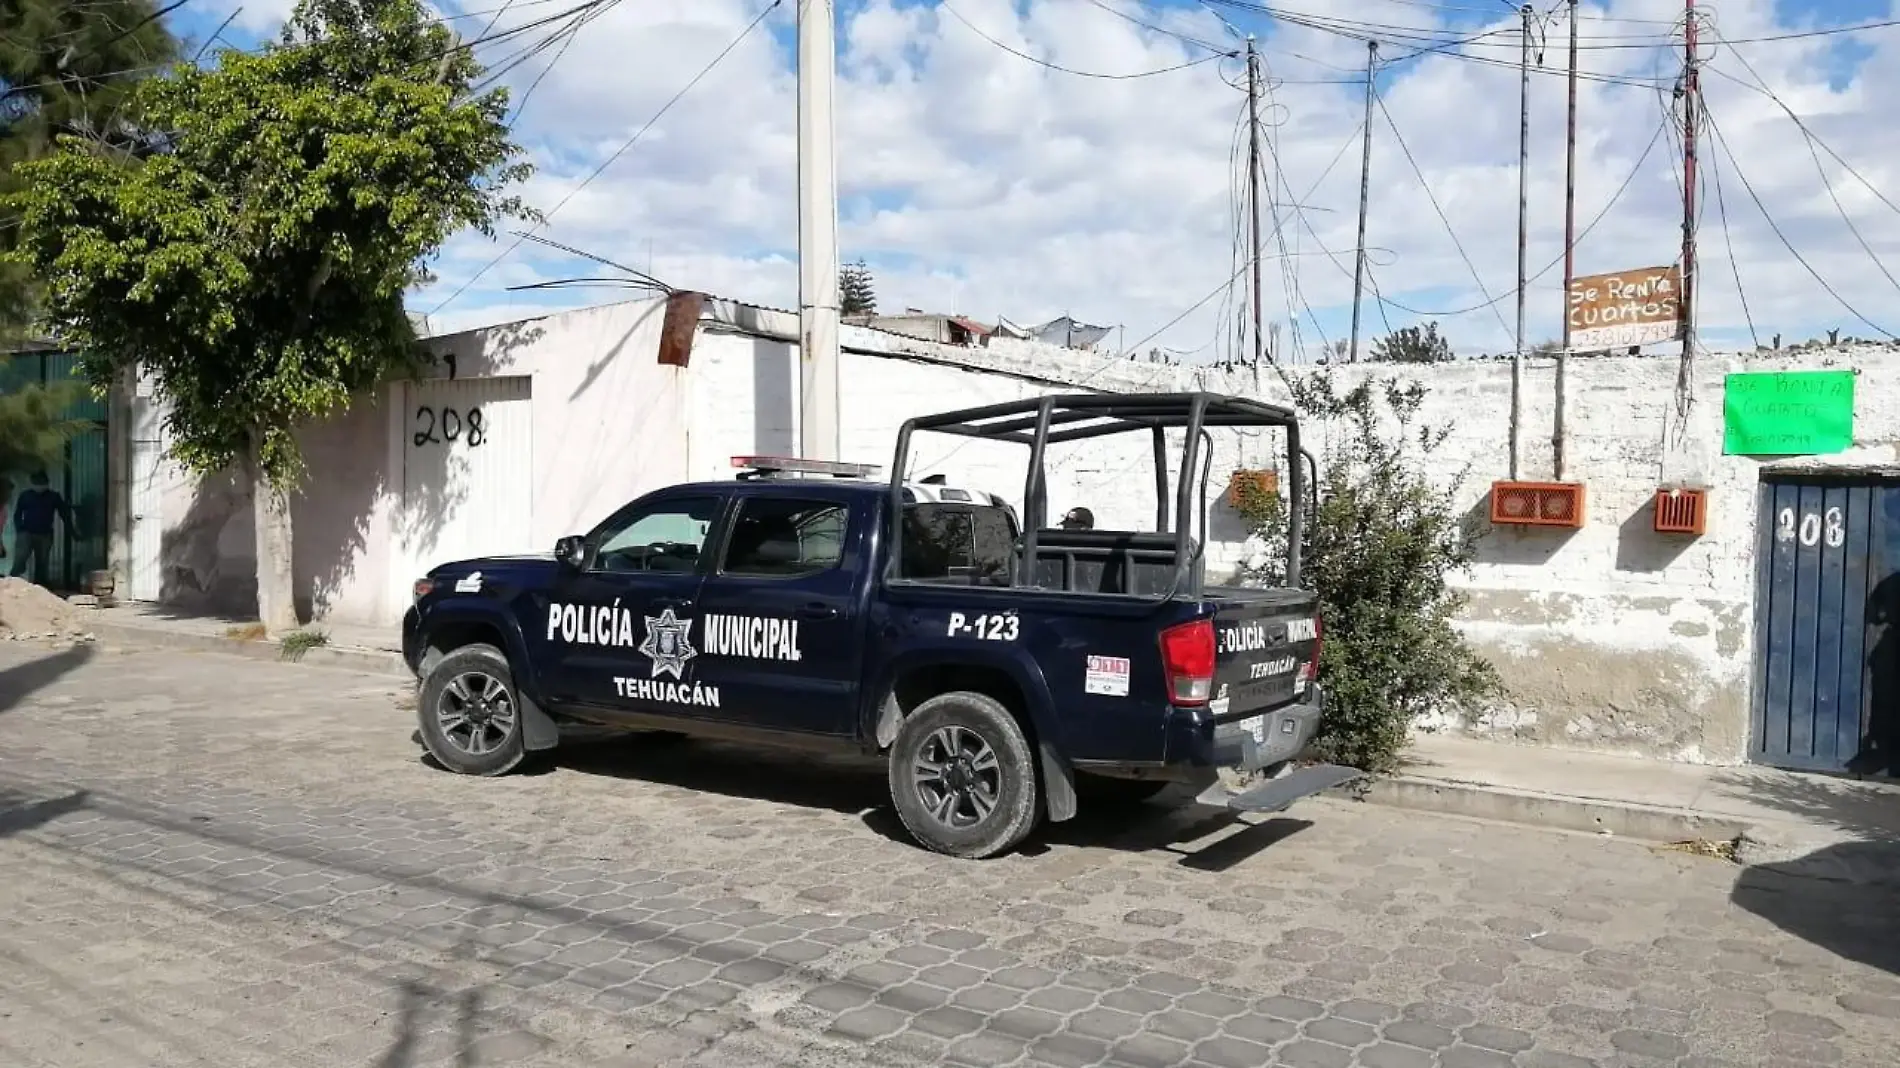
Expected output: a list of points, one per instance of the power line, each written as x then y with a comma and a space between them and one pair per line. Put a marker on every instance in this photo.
1176, 34
622, 150
1735, 165
275, 46
1433, 198
1039, 61
1820, 169
1728, 239
1628, 180
1229, 281
1806, 131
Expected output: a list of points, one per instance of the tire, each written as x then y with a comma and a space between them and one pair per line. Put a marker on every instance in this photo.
988, 803
1104, 791
470, 714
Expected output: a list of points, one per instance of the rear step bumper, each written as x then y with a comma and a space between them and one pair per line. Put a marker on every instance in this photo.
1275, 795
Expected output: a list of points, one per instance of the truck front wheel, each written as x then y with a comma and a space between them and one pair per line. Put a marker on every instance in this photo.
470, 713
963, 776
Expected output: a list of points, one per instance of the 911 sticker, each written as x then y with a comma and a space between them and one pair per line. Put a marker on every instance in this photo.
1107, 675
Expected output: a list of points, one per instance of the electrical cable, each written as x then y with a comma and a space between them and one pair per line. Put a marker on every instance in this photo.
1628, 179
1197, 305
1816, 138
1728, 239
1433, 198
617, 153
1176, 34
1736, 166
1813, 139
954, 13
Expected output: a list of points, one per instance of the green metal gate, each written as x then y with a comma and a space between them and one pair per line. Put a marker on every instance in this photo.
80, 477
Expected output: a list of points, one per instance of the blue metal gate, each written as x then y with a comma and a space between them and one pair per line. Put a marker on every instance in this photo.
1827, 599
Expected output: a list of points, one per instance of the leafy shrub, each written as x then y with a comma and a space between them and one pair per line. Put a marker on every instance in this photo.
1378, 552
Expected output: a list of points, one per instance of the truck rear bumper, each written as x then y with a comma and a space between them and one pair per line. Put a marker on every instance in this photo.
1252, 742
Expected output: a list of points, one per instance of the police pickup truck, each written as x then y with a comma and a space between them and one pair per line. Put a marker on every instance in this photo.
1002, 670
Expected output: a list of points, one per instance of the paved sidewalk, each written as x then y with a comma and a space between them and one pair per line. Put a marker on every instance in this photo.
373, 649
1777, 814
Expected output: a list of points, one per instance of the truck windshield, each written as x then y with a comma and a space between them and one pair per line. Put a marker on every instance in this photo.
960, 545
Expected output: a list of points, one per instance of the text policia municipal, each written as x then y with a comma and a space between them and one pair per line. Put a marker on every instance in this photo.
754, 637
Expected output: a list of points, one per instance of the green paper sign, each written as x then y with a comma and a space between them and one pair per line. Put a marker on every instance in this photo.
1788, 413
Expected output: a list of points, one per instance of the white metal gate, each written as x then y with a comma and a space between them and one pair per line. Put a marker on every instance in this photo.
468, 471
144, 572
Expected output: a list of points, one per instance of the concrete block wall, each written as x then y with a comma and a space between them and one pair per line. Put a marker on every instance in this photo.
1611, 637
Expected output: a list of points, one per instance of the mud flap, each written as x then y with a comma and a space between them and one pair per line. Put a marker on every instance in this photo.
1058, 784
1276, 795
538, 731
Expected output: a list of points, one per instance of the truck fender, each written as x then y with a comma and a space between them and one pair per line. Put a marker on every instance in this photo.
514, 646
1058, 776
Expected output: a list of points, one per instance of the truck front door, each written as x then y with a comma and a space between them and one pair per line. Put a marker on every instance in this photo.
781, 613
623, 632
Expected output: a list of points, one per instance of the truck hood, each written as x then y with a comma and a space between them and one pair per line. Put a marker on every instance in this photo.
524, 570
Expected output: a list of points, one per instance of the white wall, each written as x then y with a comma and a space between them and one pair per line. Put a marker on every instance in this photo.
1610, 637
609, 423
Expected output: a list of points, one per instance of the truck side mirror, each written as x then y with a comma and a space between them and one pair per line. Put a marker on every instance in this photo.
571, 551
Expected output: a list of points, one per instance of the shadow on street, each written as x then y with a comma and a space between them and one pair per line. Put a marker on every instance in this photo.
1841, 898
857, 785
22, 812
21, 681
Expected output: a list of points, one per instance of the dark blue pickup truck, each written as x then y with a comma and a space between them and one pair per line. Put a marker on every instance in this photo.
1003, 669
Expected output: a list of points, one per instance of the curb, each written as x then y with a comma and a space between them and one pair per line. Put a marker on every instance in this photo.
1648, 823
373, 661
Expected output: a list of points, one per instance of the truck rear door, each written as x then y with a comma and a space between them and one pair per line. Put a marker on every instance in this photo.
780, 612
1265, 642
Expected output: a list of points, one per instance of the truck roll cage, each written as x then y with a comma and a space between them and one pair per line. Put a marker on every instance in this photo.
1039, 422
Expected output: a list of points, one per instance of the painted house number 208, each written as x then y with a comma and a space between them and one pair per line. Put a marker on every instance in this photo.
1811, 528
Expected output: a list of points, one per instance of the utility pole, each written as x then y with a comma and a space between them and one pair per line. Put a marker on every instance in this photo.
1253, 190
1365, 190
1570, 253
1523, 234
817, 233
1691, 87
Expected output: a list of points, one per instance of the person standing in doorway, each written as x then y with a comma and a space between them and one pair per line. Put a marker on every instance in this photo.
33, 515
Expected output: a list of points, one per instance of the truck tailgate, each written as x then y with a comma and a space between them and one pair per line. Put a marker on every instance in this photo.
1264, 641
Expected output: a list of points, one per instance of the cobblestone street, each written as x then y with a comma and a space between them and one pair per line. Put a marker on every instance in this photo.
216, 861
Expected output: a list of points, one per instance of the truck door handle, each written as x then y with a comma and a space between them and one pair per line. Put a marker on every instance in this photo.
680, 603
817, 611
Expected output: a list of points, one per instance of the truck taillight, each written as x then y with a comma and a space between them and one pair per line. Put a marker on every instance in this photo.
1187, 661
1309, 672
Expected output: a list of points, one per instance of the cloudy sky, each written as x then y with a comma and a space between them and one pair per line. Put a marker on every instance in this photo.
977, 178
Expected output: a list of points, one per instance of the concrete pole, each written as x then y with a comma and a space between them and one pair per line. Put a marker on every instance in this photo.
1523, 235
1253, 192
1365, 194
817, 233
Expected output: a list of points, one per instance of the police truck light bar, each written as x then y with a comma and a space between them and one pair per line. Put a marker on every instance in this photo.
797, 466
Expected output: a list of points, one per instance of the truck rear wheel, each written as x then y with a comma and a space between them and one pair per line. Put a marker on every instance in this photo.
963, 776
470, 713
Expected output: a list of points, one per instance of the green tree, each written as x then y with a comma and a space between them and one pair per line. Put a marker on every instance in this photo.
1410, 344
1378, 553
257, 266
857, 290
67, 70
35, 426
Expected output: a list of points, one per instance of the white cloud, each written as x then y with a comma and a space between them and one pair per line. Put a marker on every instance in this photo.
979, 182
